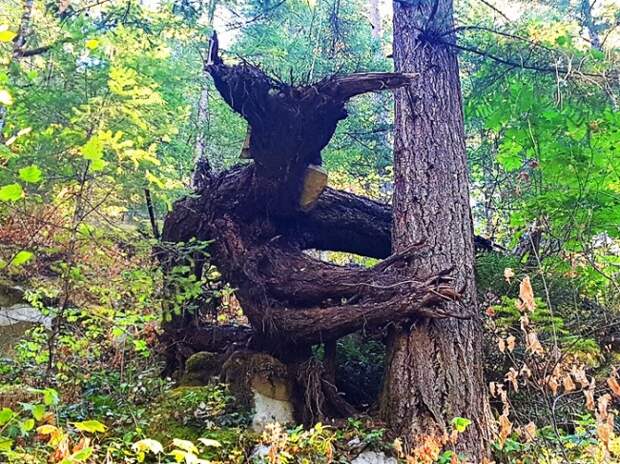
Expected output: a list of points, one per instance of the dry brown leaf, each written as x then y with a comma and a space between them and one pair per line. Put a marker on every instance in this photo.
526, 294
589, 394
529, 432
552, 383
613, 383
525, 322
490, 311
568, 384
525, 371
398, 447
604, 433
533, 344
512, 376
501, 344
508, 274
505, 429
511, 342
603, 405
580, 376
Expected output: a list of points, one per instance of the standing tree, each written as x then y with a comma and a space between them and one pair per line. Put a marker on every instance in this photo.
434, 368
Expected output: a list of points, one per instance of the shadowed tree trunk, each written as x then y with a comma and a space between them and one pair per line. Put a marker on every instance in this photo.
434, 369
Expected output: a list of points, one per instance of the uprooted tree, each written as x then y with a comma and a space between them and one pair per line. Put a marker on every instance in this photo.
261, 222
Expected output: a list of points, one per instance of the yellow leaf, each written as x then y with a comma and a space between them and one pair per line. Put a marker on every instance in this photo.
185, 445
210, 442
148, 444
6, 35
91, 44
46, 429
508, 274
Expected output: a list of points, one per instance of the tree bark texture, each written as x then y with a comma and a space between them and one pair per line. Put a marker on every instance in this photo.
434, 371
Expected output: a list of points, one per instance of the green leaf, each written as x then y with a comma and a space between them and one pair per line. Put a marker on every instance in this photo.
5, 444
90, 426
93, 149
460, 424
97, 164
21, 258
5, 98
50, 397
6, 414
79, 456
26, 426
31, 174
38, 411
11, 192
6, 35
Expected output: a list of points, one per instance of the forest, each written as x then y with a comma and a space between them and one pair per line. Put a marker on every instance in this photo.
310, 231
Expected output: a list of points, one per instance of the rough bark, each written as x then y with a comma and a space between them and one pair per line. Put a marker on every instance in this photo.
434, 370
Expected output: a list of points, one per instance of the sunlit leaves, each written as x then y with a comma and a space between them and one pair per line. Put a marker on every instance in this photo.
6, 35
31, 174
22, 257
148, 444
93, 151
91, 44
11, 192
6, 414
5, 98
90, 426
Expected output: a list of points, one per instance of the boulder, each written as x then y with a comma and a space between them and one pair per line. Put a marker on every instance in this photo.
15, 320
200, 368
373, 457
260, 382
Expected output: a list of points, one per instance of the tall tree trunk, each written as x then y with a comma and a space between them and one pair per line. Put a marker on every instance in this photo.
434, 371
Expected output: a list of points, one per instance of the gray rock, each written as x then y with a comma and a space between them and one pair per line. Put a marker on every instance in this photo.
259, 454
269, 410
373, 457
15, 321
23, 313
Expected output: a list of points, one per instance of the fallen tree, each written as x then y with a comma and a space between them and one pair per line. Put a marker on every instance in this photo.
260, 222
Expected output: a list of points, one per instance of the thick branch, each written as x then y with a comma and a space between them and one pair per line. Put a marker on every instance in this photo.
316, 325
345, 87
343, 221
212, 338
